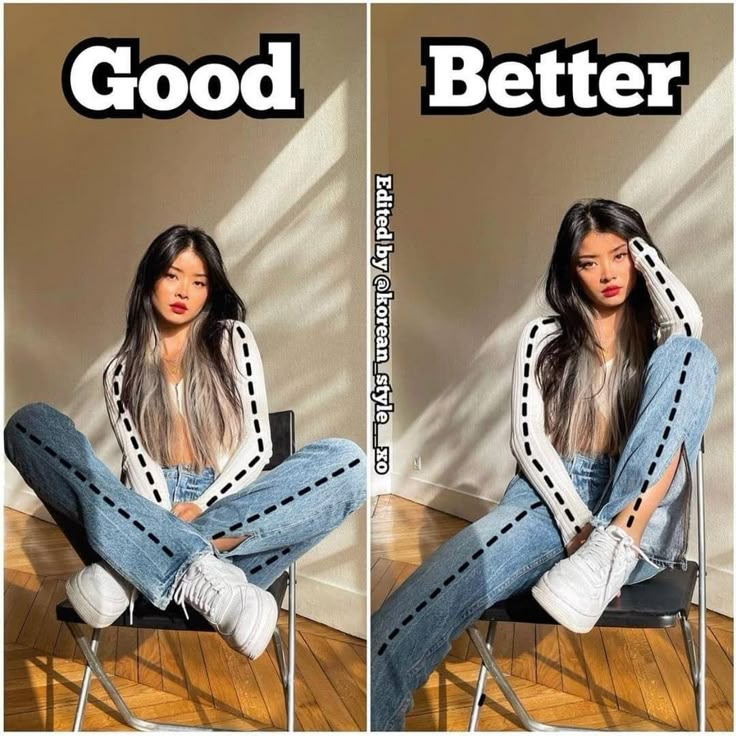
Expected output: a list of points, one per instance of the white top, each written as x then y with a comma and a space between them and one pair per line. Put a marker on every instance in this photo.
676, 313
241, 468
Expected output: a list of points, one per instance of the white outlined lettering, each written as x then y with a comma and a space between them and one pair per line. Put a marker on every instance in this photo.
103, 78
463, 78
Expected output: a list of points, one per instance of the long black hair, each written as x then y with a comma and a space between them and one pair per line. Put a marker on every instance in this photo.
212, 408
571, 364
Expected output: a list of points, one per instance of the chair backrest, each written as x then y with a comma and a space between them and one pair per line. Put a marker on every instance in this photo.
282, 440
282, 436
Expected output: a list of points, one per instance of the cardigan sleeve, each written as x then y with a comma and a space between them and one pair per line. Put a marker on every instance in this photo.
254, 452
143, 473
676, 311
530, 445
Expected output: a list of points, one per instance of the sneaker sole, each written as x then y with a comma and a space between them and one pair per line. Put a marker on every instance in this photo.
561, 611
267, 616
87, 612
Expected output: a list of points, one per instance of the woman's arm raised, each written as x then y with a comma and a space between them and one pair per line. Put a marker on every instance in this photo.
145, 474
676, 310
530, 445
254, 452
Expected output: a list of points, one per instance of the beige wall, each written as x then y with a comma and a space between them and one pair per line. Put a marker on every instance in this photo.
284, 199
478, 202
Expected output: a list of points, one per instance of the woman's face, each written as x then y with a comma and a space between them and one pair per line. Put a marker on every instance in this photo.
181, 292
605, 270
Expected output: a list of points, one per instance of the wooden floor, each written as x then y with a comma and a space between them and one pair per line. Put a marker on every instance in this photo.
182, 677
610, 678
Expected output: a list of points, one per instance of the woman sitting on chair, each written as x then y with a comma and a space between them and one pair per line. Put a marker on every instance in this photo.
610, 399
186, 398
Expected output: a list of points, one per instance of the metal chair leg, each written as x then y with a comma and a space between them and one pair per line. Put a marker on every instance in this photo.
529, 723
278, 643
84, 690
133, 721
291, 653
701, 671
480, 686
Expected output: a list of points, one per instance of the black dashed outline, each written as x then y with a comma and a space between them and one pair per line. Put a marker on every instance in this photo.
256, 423
128, 424
660, 277
660, 448
270, 560
92, 487
451, 579
286, 500
525, 428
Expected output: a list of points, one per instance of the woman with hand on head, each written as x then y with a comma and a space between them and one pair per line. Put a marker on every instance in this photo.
611, 395
186, 398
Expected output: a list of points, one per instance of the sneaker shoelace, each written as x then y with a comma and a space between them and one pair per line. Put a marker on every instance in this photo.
605, 546
201, 589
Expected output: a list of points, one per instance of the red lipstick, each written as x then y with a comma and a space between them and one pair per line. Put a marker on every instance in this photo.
178, 307
611, 290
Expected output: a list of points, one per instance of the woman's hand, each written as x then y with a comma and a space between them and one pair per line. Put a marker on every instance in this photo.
186, 511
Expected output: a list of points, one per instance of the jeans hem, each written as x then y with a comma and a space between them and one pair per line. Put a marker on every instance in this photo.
162, 602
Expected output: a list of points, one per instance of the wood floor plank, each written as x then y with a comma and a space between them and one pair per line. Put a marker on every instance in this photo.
340, 678
172, 664
18, 601
198, 683
49, 628
652, 686
65, 643
126, 656
676, 679
329, 701
572, 659
352, 661
599, 674
719, 715
725, 639
524, 658
269, 683
548, 657
222, 686
32, 624
385, 585
149, 659
250, 698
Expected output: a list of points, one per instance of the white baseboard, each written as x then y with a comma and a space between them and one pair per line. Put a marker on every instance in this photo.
25, 501
471, 508
442, 498
331, 605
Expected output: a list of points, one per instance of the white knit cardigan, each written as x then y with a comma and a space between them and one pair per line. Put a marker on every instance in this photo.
145, 475
676, 313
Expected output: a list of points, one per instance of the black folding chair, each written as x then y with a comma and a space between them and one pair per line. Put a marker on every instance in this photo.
658, 603
146, 616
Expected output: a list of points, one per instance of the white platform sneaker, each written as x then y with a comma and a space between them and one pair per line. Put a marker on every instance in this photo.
244, 614
99, 595
576, 591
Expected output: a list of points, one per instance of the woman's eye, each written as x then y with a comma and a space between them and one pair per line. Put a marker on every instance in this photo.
620, 256
170, 275
585, 265
200, 283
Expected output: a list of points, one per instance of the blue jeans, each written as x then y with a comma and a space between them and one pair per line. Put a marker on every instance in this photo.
281, 514
509, 549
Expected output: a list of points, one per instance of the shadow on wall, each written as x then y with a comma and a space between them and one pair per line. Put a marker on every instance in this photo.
463, 434
273, 241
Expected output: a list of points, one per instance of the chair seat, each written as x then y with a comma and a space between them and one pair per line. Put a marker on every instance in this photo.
655, 603
147, 616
